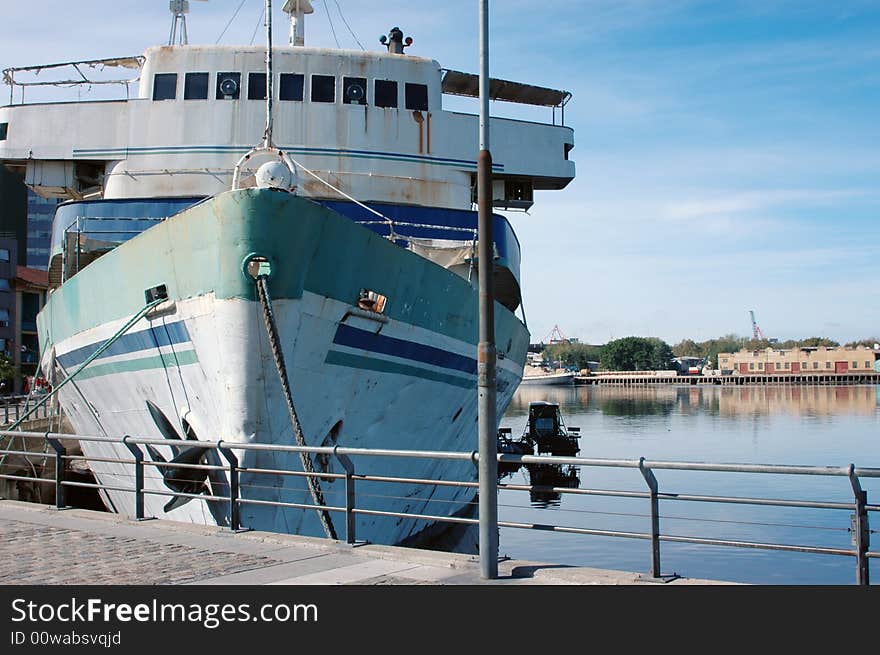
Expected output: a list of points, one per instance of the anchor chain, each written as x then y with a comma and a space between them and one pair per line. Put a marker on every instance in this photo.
275, 343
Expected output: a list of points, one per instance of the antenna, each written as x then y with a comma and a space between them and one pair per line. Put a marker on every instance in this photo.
179, 9
297, 10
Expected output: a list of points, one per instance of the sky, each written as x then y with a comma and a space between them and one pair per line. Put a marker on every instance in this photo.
727, 153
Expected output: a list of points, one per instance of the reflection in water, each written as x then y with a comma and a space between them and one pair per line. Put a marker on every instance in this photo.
762, 400
549, 476
781, 424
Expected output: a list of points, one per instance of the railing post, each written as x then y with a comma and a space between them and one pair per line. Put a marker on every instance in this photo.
350, 536
861, 536
234, 523
138, 477
648, 474
60, 452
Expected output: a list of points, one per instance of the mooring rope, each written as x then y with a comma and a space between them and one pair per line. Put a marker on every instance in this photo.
275, 343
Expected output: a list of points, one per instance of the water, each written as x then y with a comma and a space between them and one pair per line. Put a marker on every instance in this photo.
815, 425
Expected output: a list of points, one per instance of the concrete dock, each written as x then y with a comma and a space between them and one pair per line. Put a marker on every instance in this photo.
40, 545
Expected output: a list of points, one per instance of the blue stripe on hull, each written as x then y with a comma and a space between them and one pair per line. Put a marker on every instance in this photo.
166, 335
378, 343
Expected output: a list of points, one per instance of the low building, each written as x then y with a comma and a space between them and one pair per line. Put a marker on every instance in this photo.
817, 360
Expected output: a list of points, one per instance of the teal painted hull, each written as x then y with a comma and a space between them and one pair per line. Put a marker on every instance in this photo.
405, 381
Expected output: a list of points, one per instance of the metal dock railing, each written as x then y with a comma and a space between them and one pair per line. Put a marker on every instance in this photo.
859, 507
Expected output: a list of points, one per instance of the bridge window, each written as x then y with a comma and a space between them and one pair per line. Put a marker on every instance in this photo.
165, 86
228, 86
195, 86
385, 93
354, 90
256, 86
323, 88
416, 96
291, 87
4, 130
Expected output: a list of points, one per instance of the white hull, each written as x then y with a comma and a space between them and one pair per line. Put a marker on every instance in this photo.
549, 379
225, 394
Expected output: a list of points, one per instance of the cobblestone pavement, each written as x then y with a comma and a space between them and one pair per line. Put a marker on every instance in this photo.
46, 555
42, 546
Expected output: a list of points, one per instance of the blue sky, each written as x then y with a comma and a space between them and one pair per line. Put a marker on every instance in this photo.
727, 153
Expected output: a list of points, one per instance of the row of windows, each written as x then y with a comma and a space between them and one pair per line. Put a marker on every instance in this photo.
291, 87
804, 365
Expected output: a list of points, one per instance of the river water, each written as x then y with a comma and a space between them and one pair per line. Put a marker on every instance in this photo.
815, 425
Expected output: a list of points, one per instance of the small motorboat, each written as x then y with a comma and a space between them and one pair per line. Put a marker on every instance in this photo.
548, 432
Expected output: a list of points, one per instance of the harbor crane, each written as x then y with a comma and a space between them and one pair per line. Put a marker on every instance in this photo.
556, 336
756, 331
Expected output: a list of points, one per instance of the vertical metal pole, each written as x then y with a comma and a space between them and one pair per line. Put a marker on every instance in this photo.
648, 474
138, 478
861, 533
350, 536
234, 523
487, 426
60, 452
267, 136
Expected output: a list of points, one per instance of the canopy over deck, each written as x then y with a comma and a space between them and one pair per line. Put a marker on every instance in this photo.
468, 84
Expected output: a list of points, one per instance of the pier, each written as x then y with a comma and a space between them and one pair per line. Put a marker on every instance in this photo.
40, 545
651, 378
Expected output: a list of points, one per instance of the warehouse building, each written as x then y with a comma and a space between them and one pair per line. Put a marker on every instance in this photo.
801, 360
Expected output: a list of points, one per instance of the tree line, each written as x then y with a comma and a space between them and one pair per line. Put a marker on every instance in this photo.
651, 353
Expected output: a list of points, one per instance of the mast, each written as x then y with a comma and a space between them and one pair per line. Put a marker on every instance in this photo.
267, 135
298, 10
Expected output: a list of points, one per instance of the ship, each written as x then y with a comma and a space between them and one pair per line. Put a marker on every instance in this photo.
277, 245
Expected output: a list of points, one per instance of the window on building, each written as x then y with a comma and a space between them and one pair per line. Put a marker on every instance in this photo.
291, 87
164, 86
354, 90
195, 86
323, 88
4, 131
4, 318
751, 366
385, 93
228, 86
416, 96
256, 86
867, 364
827, 364
760, 366
4, 255
815, 365
787, 366
4, 284
855, 365
3, 345
805, 365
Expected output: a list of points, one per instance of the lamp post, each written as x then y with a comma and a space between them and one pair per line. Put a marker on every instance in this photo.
487, 425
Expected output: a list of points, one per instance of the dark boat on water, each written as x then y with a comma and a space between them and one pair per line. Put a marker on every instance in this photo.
548, 432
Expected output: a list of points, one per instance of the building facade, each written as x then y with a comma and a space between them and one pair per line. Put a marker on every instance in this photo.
818, 360
40, 212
